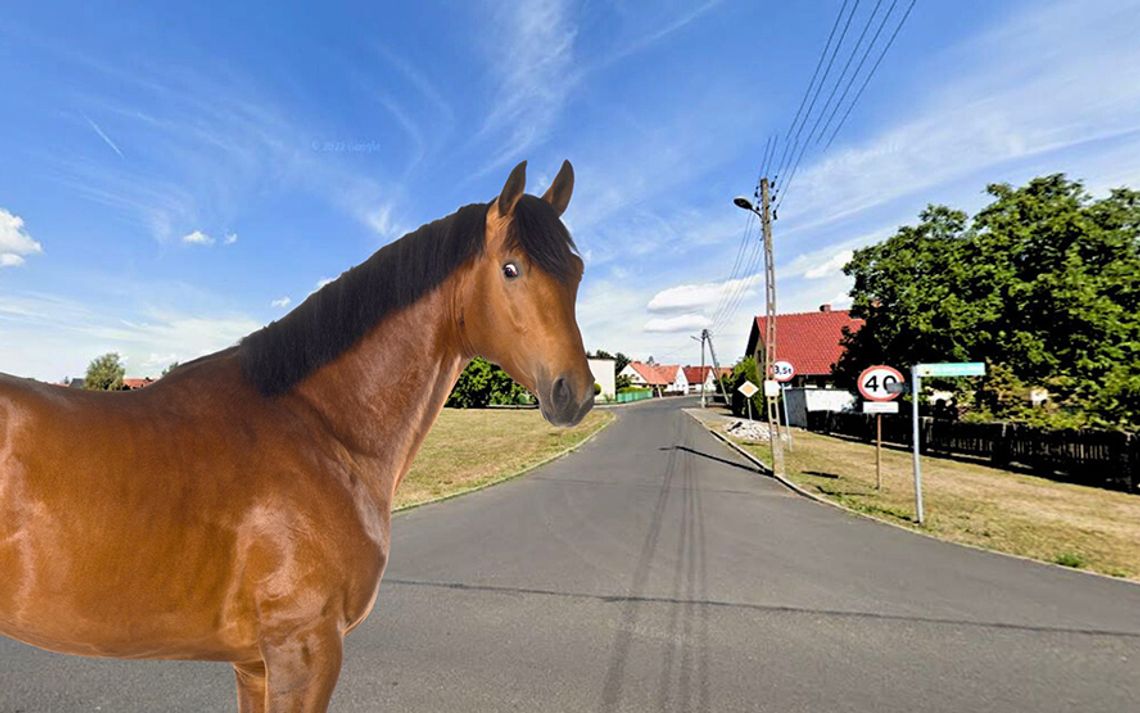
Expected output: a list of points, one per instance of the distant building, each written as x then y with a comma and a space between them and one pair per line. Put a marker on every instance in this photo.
664, 379
603, 371
696, 374
811, 341
131, 383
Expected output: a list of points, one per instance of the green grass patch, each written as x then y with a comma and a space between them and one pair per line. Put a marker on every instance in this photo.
470, 448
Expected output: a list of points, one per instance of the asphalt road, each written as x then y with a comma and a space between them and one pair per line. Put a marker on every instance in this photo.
654, 570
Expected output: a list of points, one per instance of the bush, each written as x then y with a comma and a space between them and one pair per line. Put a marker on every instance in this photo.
482, 384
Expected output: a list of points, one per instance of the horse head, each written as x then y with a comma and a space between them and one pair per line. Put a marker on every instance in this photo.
520, 294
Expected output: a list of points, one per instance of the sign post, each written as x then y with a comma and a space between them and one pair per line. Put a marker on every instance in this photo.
749, 390
782, 372
879, 385
951, 369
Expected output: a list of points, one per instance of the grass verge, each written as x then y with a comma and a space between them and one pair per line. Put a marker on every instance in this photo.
1071, 525
468, 449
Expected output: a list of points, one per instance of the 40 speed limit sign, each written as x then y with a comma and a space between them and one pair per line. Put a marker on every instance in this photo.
875, 381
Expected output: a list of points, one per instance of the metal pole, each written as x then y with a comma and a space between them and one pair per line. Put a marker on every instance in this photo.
916, 394
878, 451
787, 418
770, 328
703, 374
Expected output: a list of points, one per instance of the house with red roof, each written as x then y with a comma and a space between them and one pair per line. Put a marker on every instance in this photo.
695, 375
662, 378
811, 341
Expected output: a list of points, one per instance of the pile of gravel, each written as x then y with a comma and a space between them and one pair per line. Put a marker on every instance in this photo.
753, 431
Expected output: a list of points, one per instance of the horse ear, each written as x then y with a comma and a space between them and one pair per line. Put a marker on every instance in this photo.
512, 190
558, 195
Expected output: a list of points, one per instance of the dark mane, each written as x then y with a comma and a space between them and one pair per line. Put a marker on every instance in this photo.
337, 316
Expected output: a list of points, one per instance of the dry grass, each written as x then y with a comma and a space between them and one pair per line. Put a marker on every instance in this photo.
1072, 525
468, 449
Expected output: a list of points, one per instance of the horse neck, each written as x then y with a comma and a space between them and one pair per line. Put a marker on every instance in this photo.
381, 397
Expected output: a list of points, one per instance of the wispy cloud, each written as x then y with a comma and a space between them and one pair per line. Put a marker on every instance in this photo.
281, 302
681, 323
103, 135
830, 266
531, 54
15, 242
706, 294
197, 238
230, 239
52, 337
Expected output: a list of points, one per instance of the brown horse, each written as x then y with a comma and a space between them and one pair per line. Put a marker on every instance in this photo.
239, 509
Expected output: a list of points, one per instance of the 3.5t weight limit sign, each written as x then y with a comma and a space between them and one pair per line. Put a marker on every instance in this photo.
875, 381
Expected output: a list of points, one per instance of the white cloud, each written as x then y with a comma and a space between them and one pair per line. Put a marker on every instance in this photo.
531, 56
281, 302
680, 323
832, 265
197, 238
15, 242
381, 221
52, 337
323, 281
230, 238
707, 294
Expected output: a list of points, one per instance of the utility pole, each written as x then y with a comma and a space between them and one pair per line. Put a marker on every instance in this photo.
716, 365
764, 212
701, 339
770, 329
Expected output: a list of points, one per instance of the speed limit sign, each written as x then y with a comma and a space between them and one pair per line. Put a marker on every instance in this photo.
875, 381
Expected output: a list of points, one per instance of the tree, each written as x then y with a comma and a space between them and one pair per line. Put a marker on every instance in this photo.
173, 365
482, 383
620, 360
623, 381
1043, 282
105, 373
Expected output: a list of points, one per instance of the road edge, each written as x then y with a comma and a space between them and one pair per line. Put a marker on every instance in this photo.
765, 470
511, 476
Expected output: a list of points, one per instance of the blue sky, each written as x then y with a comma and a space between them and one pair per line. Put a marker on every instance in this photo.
177, 176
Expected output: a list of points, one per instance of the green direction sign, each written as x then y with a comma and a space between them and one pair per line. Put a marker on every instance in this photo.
961, 368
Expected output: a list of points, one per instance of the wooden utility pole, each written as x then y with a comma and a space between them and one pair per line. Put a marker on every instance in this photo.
770, 329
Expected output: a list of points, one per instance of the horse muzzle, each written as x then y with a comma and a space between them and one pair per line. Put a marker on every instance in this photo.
564, 404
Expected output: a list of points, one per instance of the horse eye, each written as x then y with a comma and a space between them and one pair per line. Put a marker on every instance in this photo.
511, 270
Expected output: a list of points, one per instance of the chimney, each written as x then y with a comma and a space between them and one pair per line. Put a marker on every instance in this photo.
825, 308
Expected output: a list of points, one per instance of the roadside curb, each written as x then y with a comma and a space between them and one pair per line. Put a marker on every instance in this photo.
510, 476
765, 470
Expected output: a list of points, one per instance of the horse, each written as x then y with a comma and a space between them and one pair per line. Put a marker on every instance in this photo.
239, 509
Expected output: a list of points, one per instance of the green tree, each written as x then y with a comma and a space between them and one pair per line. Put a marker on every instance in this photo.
105, 373
1044, 282
173, 365
482, 383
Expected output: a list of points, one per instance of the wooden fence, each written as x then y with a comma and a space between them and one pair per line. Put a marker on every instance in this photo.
1099, 458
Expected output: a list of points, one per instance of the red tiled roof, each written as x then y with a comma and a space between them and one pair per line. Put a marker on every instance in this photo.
809, 340
133, 383
693, 374
656, 374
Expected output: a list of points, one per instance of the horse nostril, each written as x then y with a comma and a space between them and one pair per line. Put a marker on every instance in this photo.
560, 392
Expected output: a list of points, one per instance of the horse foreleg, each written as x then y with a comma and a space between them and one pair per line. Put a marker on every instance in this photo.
250, 687
302, 670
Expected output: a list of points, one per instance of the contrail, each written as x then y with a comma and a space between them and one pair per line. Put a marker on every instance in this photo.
106, 139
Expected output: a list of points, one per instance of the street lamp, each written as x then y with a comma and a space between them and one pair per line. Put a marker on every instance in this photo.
770, 322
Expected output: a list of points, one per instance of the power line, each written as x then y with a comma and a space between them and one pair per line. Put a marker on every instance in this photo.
819, 89
818, 64
855, 101
846, 66
858, 67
